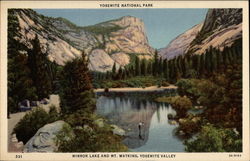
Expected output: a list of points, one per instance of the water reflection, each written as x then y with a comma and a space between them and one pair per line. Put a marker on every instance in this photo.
156, 134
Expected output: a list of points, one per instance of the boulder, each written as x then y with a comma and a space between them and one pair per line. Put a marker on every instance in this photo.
87, 128
172, 122
99, 122
181, 133
44, 139
117, 130
181, 121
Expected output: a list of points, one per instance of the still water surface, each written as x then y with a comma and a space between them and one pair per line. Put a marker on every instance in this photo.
157, 135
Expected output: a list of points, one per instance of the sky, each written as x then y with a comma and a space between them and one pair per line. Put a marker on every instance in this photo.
162, 25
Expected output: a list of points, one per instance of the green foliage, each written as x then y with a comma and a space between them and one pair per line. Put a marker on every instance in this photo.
114, 71
155, 64
20, 85
77, 90
137, 66
87, 136
68, 23
32, 121
180, 104
102, 29
38, 64
212, 139
189, 125
53, 113
139, 81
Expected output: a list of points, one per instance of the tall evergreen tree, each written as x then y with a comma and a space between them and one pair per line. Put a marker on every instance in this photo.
166, 69
77, 88
160, 66
202, 64
114, 71
149, 67
155, 64
39, 66
143, 67
20, 85
137, 66
120, 73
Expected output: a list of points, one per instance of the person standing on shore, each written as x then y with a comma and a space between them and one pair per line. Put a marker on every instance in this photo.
140, 128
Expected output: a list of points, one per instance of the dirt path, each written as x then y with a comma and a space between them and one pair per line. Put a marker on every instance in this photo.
13, 145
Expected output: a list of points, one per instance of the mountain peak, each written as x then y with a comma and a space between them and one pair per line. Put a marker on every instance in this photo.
64, 41
126, 21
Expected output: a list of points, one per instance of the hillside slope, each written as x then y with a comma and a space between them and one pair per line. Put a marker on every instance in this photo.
221, 28
63, 40
179, 45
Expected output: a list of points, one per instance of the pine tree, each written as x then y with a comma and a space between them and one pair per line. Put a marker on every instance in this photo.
225, 57
38, 64
219, 60
20, 85
137, 66
143, 67
114, 71
165, 69
195, 62
170, 70
120, 73
77, 88
160, 67
202, 64
207, 62
213, 61
155, 64
149, 68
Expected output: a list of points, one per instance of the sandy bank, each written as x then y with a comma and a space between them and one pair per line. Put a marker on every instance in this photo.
147, 89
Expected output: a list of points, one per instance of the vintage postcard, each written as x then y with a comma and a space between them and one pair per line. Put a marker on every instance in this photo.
124, 80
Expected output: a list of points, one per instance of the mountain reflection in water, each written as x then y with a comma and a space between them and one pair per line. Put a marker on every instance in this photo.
156, 134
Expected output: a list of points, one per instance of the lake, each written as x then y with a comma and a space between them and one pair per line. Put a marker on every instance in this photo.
157, 135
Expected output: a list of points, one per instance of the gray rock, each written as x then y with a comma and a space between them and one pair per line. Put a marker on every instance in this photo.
117, 130
44, 139
181, 133
87, 128
101, 61
99, 122
64, 41
172, 122
121, 58
179, 45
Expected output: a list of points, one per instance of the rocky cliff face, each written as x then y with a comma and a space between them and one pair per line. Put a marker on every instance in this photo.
179, 45
131, 38
221, 28
63, 40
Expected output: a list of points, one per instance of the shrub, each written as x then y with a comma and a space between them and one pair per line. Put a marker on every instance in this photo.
87, 136
212, 139
189, 126
53, 114
165, 84
106, 90
32, 121
180, 104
